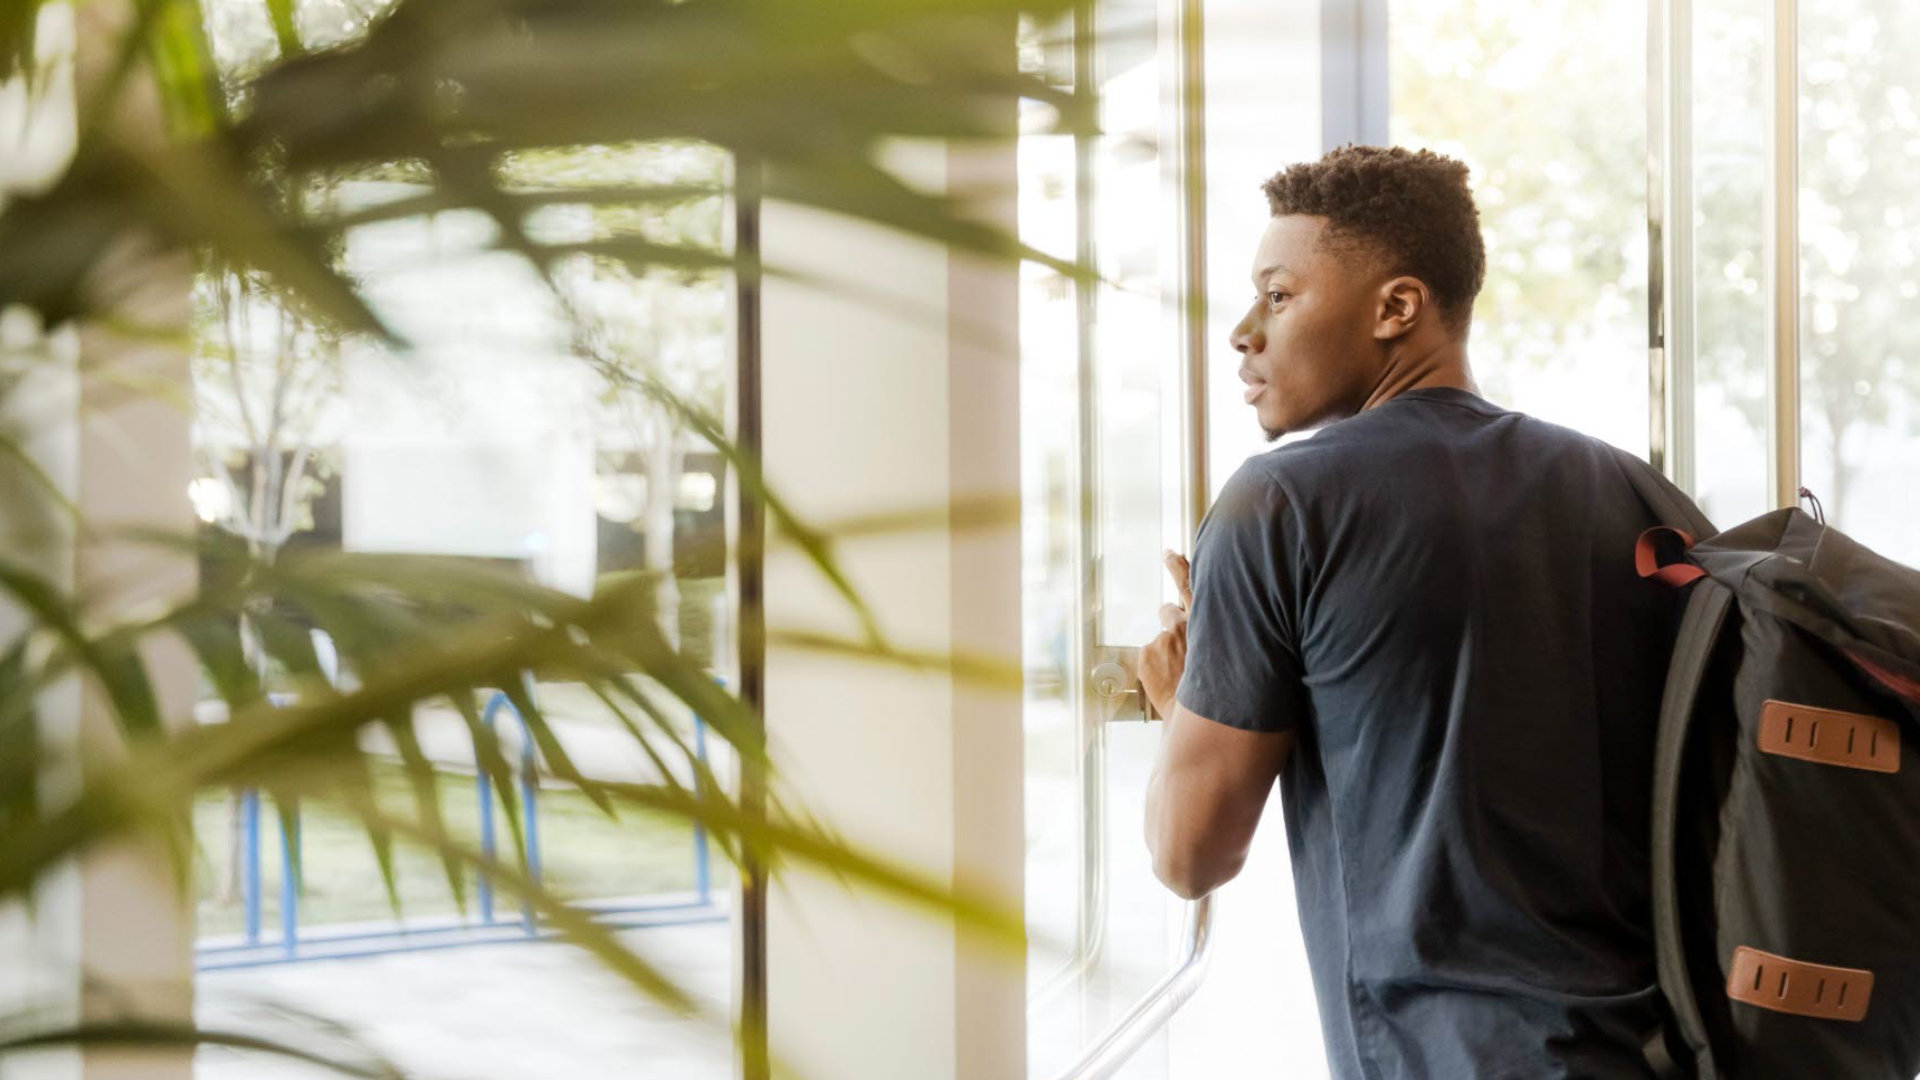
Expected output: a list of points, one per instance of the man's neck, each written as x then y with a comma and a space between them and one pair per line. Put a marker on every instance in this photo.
1442, 364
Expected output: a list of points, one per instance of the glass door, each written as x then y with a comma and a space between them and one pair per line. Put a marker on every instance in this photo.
1105, 489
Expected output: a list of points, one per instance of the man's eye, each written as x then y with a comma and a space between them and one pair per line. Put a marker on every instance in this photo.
1276, 297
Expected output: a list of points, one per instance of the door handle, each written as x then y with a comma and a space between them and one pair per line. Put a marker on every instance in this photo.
1117, 688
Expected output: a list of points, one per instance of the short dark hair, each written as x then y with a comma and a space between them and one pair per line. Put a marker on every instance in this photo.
1412, 208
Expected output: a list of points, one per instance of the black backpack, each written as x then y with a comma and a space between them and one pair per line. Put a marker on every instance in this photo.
1786, 807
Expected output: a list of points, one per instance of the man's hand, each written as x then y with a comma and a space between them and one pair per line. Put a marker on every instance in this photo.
1164, 659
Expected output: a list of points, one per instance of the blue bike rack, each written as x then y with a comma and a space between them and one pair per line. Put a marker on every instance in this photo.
253, 950
529, 801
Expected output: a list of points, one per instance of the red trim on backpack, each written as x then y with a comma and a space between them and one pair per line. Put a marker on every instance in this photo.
1894, 681
1646, 559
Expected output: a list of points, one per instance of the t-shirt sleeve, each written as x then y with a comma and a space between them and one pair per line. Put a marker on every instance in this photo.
1243, 659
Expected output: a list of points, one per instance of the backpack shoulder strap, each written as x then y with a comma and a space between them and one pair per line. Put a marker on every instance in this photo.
1700, 628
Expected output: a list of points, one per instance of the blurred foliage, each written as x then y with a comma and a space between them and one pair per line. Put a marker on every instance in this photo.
1556, 142
515, 110
809, 93
1860, 232
1546, 102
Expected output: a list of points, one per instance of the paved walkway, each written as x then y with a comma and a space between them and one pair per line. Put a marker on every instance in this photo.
525, 1011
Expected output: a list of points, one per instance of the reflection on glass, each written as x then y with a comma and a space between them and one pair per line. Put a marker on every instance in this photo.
1859, 242
1546, 105
1135, 329
1050, 536
1097, 362
1136, 359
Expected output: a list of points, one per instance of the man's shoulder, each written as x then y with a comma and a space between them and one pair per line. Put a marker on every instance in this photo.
1389, 455
1331, 457
1375, 438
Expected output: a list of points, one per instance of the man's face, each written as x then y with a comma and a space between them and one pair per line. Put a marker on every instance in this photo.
1308, 353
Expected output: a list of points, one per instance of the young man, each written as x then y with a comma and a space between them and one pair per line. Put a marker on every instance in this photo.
1425, 622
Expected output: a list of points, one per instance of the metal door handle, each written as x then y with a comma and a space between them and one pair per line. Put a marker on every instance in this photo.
1116, 687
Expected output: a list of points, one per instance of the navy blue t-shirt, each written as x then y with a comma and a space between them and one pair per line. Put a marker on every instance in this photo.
1438, 596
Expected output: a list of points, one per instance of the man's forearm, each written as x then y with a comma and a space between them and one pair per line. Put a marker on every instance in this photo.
1172, 861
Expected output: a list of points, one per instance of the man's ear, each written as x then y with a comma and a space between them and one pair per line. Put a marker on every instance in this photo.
1403, 303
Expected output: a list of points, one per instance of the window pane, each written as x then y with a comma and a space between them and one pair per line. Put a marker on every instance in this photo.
1859, 238
1102, 357
1731, 364
1135, 327
1252, 133
1550, 116
511, 433
1049, 534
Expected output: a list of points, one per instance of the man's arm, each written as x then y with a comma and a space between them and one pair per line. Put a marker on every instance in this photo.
1210, 783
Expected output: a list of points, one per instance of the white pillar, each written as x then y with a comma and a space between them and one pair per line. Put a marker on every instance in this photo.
877, 405
109, 934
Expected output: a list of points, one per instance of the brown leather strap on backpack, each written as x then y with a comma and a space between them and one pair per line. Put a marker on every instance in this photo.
1821, 991
1849, 740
